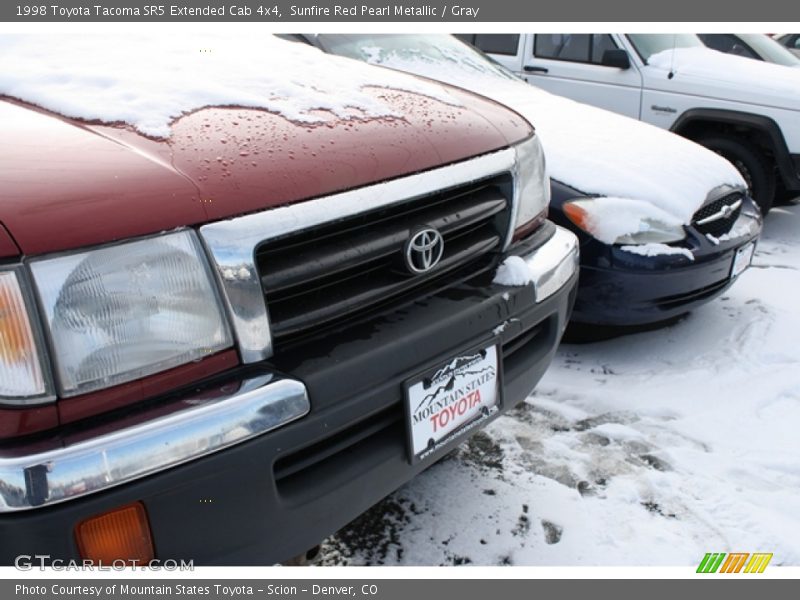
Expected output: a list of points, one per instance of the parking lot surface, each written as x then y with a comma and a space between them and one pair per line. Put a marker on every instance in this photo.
649, 449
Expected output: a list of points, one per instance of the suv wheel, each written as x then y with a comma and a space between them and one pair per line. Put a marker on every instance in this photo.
751, 164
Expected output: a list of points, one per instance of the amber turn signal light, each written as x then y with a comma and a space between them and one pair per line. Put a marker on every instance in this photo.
577, 215
20, 371
122, 534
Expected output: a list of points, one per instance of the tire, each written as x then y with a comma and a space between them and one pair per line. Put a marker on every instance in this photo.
750, 162
784, 197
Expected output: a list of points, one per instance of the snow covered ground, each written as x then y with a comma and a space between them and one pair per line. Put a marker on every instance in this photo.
650, 449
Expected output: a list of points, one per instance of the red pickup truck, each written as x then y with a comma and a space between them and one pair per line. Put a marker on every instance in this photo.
225, 343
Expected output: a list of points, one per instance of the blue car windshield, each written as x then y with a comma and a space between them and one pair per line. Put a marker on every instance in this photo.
432, 55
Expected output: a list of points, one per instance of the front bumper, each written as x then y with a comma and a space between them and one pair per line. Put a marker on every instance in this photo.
619, 288
264, 462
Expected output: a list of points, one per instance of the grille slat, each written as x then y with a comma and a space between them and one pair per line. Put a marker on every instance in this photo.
322, 276
321, 258
338, 298
723, 224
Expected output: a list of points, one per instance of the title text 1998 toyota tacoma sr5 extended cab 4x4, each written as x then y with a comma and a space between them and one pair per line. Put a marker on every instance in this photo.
225, 339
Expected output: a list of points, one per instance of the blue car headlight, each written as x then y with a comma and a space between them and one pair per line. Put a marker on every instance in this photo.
624, 221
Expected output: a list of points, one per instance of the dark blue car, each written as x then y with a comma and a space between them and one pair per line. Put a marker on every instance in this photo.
665, 224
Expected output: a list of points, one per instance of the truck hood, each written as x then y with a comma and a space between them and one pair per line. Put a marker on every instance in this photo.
713, 74
117, 138
592, 150
68, 183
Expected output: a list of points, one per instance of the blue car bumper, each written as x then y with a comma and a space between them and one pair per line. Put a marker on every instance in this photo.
619, 287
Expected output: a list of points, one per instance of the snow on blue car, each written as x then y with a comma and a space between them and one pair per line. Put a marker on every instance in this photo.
665, 224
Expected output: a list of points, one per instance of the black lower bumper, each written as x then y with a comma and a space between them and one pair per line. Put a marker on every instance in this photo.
619, 288
620, 297
279, 494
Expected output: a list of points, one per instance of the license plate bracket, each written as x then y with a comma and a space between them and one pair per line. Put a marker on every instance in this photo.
446, 402
742, 259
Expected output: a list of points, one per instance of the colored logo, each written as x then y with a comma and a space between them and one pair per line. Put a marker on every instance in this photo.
735, 562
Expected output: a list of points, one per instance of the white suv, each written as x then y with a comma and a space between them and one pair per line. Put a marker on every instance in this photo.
748, 111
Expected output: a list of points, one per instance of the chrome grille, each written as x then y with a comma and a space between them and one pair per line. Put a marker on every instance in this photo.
716, 218
334, 272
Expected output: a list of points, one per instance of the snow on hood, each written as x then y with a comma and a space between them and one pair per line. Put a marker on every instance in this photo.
149, 81
779, 85
590, 149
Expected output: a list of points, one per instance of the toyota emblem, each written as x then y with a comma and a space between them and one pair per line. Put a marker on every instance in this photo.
423, 250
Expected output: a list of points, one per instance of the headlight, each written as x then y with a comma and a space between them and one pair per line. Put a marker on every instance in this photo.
21, 377
123, 312
624, 221
532, 185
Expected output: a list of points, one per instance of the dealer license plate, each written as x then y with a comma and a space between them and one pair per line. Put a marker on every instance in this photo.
451, 400
742, 259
